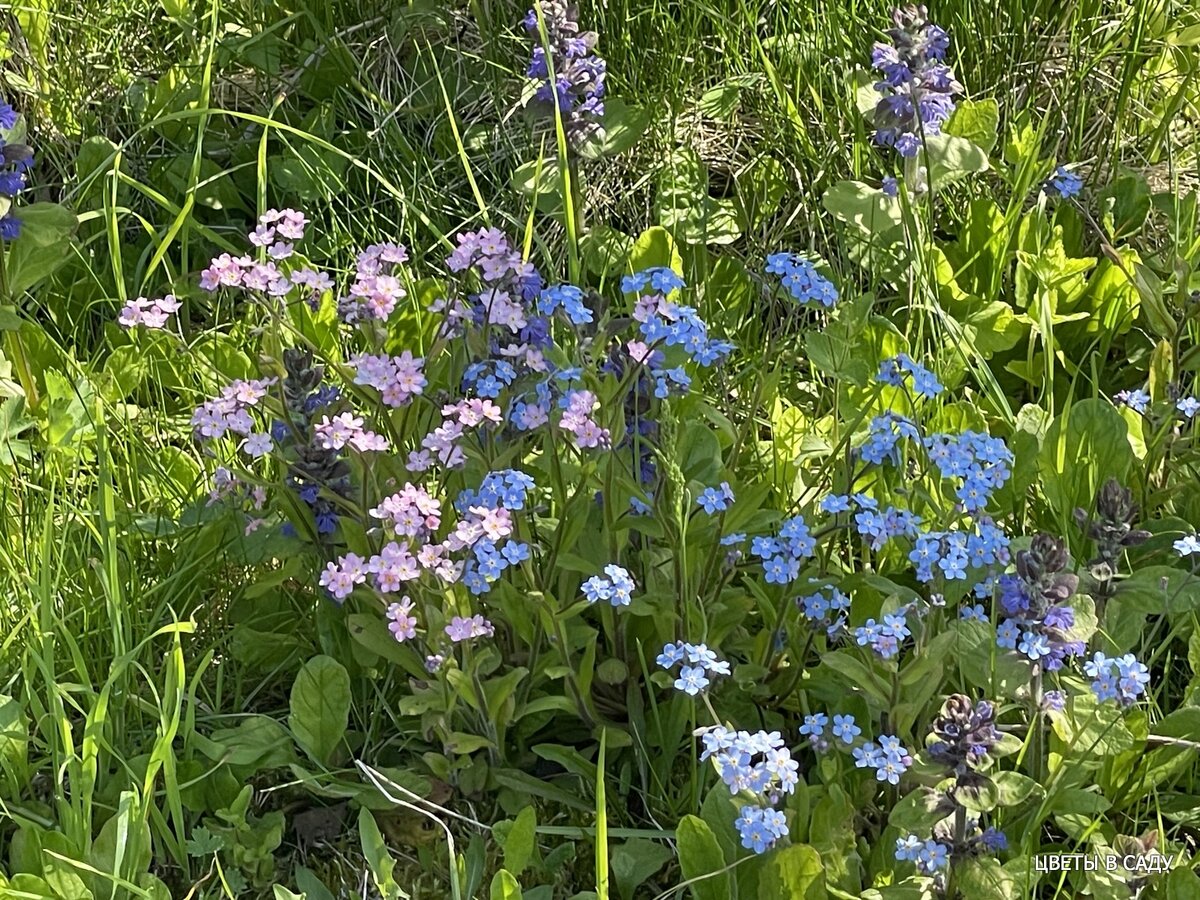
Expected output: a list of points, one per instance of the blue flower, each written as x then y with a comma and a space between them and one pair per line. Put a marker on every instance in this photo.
835, 503
1007, 635
515, 552
715, 499
976, 612
814, 725
1064, 184
1187, 545
671, 655
844, 728
692, 680
759, 828
908, 848
1137, 400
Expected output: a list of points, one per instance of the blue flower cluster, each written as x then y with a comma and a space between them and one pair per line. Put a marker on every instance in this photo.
918, 87
980, 460
781, 555
760, 764
929, 855
827, 606
760, 827
617, 588
800, 278
660, 280
1117, 678
488, 379
502, 488
951, 553
881, 527
573, 77
844, 729
924, 382
889, 758
698, 663
1035, 630
883, 438
15, 160
567, 297
885, 637
1063, 184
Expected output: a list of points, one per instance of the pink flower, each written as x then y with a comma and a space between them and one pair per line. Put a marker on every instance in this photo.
404, 624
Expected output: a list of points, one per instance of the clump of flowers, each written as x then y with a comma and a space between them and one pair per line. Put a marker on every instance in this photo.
826, 608
1112, 529
924, 382
782, 554
981, 461
918, 87
1039, 621
1063, 184
16, 159
571, 76
758, 764
696, 663
153, 314
616, 586
961, 739
1123, 678
884, 638
888, 757
275, 234
801, 280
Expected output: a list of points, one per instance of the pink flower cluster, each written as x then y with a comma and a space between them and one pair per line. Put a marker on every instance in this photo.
415, 514
508, 283
464, 629
276, 231
442, 443
376, 289
230, 413
410, 512
151, 313
397, 378
577, 419
347, 428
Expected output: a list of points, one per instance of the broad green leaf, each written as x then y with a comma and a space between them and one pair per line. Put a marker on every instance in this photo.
700, 855
622, 124
977, 121
654, 247
605, 249
950, 159
865, 207
1090, 728
1013, 788
14, 745
42, 246
634, 861
1084, 447
983, 878
793, 873
519, 843
504, 887
320, 707
379, 860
